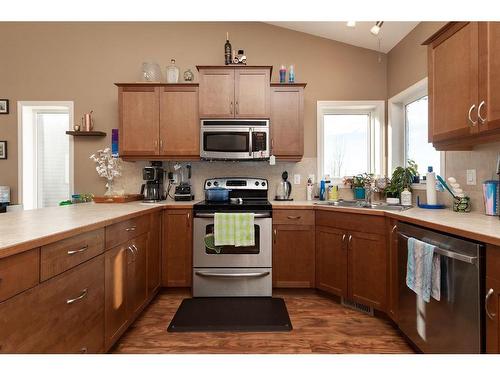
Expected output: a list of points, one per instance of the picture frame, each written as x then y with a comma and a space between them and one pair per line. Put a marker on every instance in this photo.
4, 106
3, 149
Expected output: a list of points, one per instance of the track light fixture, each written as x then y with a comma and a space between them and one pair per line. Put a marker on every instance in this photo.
376, 28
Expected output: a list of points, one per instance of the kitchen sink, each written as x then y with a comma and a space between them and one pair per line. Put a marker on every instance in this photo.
363, 204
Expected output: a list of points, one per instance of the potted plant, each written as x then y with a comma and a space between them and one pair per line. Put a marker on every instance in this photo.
401, 179
358, 184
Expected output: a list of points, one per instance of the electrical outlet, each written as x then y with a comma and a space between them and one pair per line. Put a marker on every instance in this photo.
296, 179
471, 177
311, 176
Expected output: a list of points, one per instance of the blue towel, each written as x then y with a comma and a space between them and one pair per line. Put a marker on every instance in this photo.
423, 270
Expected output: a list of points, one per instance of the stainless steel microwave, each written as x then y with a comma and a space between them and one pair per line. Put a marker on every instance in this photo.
234, 139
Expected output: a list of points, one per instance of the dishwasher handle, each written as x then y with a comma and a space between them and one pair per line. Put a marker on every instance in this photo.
448, 253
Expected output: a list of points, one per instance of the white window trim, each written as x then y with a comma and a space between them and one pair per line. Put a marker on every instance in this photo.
396, 127
42, 105
376, 109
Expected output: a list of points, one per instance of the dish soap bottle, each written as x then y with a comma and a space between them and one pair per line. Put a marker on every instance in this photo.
309, 191
406, 197
172, 72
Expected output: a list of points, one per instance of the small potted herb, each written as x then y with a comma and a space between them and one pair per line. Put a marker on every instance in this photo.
401, 179
358, 184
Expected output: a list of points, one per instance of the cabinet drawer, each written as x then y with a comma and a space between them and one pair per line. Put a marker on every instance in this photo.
296, 217
18, 273
348, 221
125, 230
63, 255
62, 315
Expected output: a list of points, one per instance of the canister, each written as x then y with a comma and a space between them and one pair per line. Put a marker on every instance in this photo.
490, 196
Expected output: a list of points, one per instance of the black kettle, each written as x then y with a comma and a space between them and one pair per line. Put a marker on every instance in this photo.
284, 188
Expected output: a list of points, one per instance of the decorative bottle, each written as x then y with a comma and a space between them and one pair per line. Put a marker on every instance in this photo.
172, 72
227, 51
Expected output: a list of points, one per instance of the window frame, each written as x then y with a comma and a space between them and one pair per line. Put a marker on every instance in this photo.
376, 148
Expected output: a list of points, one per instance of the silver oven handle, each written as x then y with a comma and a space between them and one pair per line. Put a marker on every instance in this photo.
449, 254
259, 215
243, 274
250, 145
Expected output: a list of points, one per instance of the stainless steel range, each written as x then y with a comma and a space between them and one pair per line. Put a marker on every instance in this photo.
231, 270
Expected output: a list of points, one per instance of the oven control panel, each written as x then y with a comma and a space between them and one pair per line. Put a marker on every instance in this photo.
236, 183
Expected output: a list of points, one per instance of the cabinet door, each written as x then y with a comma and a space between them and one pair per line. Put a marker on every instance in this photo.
116, 314
179, 121
217, 93
492, 318
252, 93
154, 254
139, 111
453, 83
136, 274
367, 269
331, 261
177, 250
489, 75
393, 279
287, 121
293, 256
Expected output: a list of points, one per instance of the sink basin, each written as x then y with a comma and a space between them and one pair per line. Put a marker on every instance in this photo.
362, 204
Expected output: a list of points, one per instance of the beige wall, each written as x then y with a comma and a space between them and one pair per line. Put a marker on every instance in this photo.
81, 61
407, 61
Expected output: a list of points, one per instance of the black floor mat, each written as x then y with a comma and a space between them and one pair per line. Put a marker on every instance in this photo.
231, 314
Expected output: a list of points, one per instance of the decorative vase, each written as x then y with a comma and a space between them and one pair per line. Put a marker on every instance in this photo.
172, 72
461, 204
359, 192
188, 75
109, 188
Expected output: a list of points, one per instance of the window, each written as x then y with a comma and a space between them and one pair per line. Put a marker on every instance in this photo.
417, 146
45, 153
408, 131
349, 138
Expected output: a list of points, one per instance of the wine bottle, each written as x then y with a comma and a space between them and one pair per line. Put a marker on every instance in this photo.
227, 50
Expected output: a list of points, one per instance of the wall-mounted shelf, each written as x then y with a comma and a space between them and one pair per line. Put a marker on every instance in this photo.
92, 133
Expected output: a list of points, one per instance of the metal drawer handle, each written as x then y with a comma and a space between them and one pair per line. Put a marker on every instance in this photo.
294, 217
472, 123
71, 252
481, 105
394, 229
350, 238
73, 300
488, 295
130, 229
133, 252
217, 274
343, 237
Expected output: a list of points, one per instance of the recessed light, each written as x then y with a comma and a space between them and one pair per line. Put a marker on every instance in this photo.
376, 28
351, 23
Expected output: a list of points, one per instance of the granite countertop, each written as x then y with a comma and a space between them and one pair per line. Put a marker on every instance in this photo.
24, 230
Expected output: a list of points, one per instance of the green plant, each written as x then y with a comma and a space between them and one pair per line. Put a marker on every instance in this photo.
360, 180
401, 179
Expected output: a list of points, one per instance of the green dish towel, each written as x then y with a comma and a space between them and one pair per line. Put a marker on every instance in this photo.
234, 229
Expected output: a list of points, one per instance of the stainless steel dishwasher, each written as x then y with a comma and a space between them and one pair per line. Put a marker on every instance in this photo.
455, 324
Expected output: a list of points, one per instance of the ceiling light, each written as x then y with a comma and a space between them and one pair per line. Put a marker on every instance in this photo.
351, 23
376, 28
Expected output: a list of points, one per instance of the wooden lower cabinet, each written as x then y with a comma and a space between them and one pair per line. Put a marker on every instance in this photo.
62, 315
177, 251
367, 269
393, 274
293, 256
137, 287
331, 261
493, 316
154, 254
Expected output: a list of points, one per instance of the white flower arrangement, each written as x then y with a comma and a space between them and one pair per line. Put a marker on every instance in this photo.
107, 166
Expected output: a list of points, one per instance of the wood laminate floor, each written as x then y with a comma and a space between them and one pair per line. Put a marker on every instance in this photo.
320, 325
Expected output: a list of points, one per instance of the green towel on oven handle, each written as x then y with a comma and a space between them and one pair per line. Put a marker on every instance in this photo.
234, 229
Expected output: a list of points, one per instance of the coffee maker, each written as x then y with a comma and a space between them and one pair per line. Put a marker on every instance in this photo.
153, 189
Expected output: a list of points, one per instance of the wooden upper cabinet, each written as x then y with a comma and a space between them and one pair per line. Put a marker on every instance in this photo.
368, 269
179, 121
453, 77
234, 92
287, 121
252, 93
217, 93
139, 120
489, 76
331, 261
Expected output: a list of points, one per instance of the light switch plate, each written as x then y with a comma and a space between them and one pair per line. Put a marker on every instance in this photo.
272, 160
296, 179
471, 177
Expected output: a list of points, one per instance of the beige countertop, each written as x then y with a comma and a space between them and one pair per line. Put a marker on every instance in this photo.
475, 226
23, 230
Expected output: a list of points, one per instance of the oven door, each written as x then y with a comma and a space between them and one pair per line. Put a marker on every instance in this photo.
259, 255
